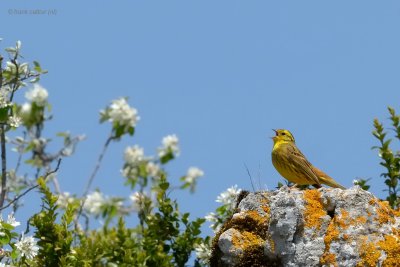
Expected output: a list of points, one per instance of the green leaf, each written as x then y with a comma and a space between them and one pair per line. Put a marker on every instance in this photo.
167, 157
14, 254
4, 240
35, 80
164, 186
4, 113
131, 130
8, 227
37, 66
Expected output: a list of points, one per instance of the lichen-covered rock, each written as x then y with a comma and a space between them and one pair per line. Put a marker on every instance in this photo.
324, 227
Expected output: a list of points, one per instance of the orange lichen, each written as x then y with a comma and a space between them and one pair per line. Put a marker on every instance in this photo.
332, 233
314, 210
328, 259
254, 215
343, 220
262, 222
246, 239
385, 213
265, 205
271, 243
252, 229
391, 246
338, 223
346, 220
360, 220
369, 253
266, 209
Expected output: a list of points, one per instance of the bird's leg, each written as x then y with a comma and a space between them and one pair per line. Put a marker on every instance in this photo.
295, 186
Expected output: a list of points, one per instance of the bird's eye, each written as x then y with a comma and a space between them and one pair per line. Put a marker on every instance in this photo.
283, 133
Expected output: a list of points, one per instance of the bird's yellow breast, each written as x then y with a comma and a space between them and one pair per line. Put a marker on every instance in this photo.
282, 163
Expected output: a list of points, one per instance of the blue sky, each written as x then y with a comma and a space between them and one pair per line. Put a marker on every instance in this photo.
220, 75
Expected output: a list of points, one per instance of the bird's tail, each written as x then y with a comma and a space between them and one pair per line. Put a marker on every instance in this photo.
329, 181
326, 179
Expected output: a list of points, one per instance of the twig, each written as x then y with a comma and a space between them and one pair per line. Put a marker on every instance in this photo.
251, 179
97, 167
90, 181
19, 156
16, 80
23, 78
31, 188
3, 165
56, 185
1, 71
3, 148
259, 176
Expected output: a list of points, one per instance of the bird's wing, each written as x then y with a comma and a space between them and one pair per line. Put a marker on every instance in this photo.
302, 164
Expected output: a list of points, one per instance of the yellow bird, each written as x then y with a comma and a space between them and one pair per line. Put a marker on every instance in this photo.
294, 166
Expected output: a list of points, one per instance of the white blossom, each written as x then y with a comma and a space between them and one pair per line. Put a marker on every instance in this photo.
152, 169
18, 45
211, 217
14, 182
39, 143
4, 98
193, 174
26, 108
23, 68
11, 220
10, 67
203, 253
229, 196
214, 220
120, 112
4, 102
133, 154
37, 95
64, 199
138, 199
94, 202
27, 247
169, 143
25, 111
128, 172
14, 121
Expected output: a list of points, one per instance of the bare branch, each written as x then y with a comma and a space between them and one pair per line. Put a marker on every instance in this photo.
31, 188
90, 181
3, 165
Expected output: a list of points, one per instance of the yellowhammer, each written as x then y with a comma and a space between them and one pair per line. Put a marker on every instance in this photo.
293, 165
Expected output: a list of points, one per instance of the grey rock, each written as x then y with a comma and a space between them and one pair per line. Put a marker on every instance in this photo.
324, 227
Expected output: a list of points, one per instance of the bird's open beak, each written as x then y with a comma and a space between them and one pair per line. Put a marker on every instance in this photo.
276, 133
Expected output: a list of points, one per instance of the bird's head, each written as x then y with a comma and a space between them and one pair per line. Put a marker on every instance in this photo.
282, 135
